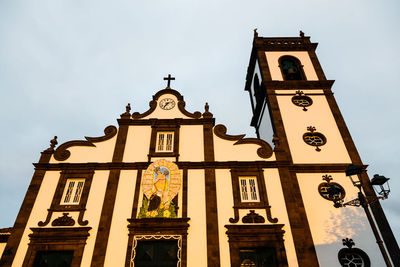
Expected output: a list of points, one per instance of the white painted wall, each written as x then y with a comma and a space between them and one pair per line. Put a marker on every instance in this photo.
2, 247
279, 211
196, 240
160, 113
101, 152
329, 225
226, 151
38, 213
93, 211
273, 64
225, 211
43, 202
319, 115
137, 144
191, 143
118, 239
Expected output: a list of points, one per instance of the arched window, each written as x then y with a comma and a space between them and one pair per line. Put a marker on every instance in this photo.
291, 68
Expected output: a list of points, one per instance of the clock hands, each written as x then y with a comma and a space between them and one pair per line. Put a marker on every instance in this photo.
167, 103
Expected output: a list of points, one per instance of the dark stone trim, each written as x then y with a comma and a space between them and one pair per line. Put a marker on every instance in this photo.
284, 44
173, 127
306, 85
304, 168
213, 255
250, 71
137, 115
379, 216
103, 232
24, 213
55, 204
134, 213
153, 105
265, 150
252, 236
303, 242
166, 122
305, 250
184, 192
317, 66
238, 204
137, 193
158, 226
181, 106
60, 238
308, 94
4, 237
62, 153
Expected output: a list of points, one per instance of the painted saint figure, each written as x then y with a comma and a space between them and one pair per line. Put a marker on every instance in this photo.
161, 183
160, 189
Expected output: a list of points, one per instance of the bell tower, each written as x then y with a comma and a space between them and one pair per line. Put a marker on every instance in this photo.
293, 106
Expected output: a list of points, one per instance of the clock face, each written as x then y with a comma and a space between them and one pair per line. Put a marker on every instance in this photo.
167, 103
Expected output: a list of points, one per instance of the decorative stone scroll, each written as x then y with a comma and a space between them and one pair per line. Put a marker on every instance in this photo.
253, 217
64, 220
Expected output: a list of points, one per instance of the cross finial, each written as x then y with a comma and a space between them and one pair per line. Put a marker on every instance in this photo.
169, 78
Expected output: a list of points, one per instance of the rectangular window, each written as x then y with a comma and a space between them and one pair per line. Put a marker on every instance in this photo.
156, 253
165, 142
72, 192
258, 257
53, 258
248, 189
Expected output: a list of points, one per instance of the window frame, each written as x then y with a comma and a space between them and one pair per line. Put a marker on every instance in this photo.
256, 236
157, 238
165, 142
298, 62
263, 203
56, 204
75, 188
57, 239
164, 126
158, 229
248, 190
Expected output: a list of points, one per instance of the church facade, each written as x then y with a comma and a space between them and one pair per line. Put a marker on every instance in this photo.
168, 187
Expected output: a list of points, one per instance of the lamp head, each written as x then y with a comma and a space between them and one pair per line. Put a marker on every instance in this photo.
383, 184
353, 170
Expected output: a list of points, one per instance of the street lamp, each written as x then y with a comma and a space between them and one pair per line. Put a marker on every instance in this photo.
381, 181
381, 187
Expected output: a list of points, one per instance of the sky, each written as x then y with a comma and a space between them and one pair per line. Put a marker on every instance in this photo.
68, 68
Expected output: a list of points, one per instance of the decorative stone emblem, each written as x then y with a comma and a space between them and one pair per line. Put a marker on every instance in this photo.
330, 190
353, 256
253, 217
314, 138
161, 182
301, 100
64, 220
